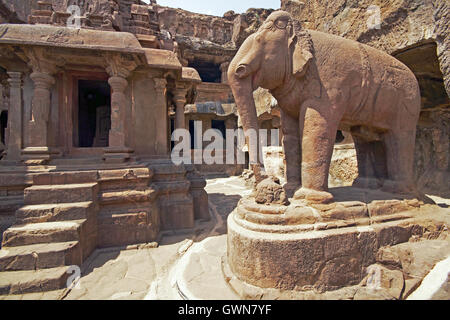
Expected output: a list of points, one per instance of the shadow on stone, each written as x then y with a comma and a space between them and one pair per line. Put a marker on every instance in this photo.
342, 194
99, 259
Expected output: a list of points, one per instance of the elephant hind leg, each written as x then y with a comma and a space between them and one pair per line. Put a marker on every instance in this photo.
371, 157
400, 161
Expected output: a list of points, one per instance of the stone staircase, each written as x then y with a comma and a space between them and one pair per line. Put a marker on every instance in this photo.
56, 229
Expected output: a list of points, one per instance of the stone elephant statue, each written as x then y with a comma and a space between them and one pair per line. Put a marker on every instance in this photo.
324, 83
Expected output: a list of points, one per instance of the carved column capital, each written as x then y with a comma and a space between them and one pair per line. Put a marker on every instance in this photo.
15, 79
160, 85
118, 84
118, 66
40, 62
42, 80
180, 95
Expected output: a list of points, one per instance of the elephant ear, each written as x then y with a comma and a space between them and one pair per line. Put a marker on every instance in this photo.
303, 51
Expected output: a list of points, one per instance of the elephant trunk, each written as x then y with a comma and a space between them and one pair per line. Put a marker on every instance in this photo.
243, 93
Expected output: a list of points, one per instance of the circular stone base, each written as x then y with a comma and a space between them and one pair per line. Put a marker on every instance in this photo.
304, 247
247, 291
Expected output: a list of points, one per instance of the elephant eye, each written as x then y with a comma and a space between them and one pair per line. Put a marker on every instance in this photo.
281, 24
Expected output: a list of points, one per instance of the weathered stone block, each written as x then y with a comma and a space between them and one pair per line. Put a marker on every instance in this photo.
285, 259
61, 193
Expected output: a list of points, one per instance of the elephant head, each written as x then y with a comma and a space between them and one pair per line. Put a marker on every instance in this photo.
269, 58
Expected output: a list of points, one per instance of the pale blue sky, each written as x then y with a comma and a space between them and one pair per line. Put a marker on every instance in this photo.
219, 7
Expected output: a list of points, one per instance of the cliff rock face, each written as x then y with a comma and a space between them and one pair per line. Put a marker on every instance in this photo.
442, 19
247, 23
391, 25
189, 24
230, 30
204, 41
415, 32
15, 11
209, 39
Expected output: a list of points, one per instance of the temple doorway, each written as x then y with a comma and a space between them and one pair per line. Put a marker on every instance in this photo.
94, 113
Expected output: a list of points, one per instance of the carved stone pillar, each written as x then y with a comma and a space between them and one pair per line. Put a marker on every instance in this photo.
163, 132
118, 103
224, 69
15, 116
37, 150
180, 102
117, 150
118, 69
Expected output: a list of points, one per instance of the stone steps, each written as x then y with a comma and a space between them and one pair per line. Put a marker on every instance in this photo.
40, 256
47, 232
54, 212
20, 282
56, 229
66, 193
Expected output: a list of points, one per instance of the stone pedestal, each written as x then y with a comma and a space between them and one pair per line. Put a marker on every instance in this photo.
303, 247
199, 195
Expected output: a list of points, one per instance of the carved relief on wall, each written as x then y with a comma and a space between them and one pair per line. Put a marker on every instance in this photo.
97, 14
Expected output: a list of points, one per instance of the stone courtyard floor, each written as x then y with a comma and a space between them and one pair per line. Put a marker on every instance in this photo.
178, 267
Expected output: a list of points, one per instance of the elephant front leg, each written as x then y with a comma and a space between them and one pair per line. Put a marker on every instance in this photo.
292, 156
318, 137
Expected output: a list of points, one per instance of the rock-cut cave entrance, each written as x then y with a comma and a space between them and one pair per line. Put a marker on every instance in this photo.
432, 163
208, 71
